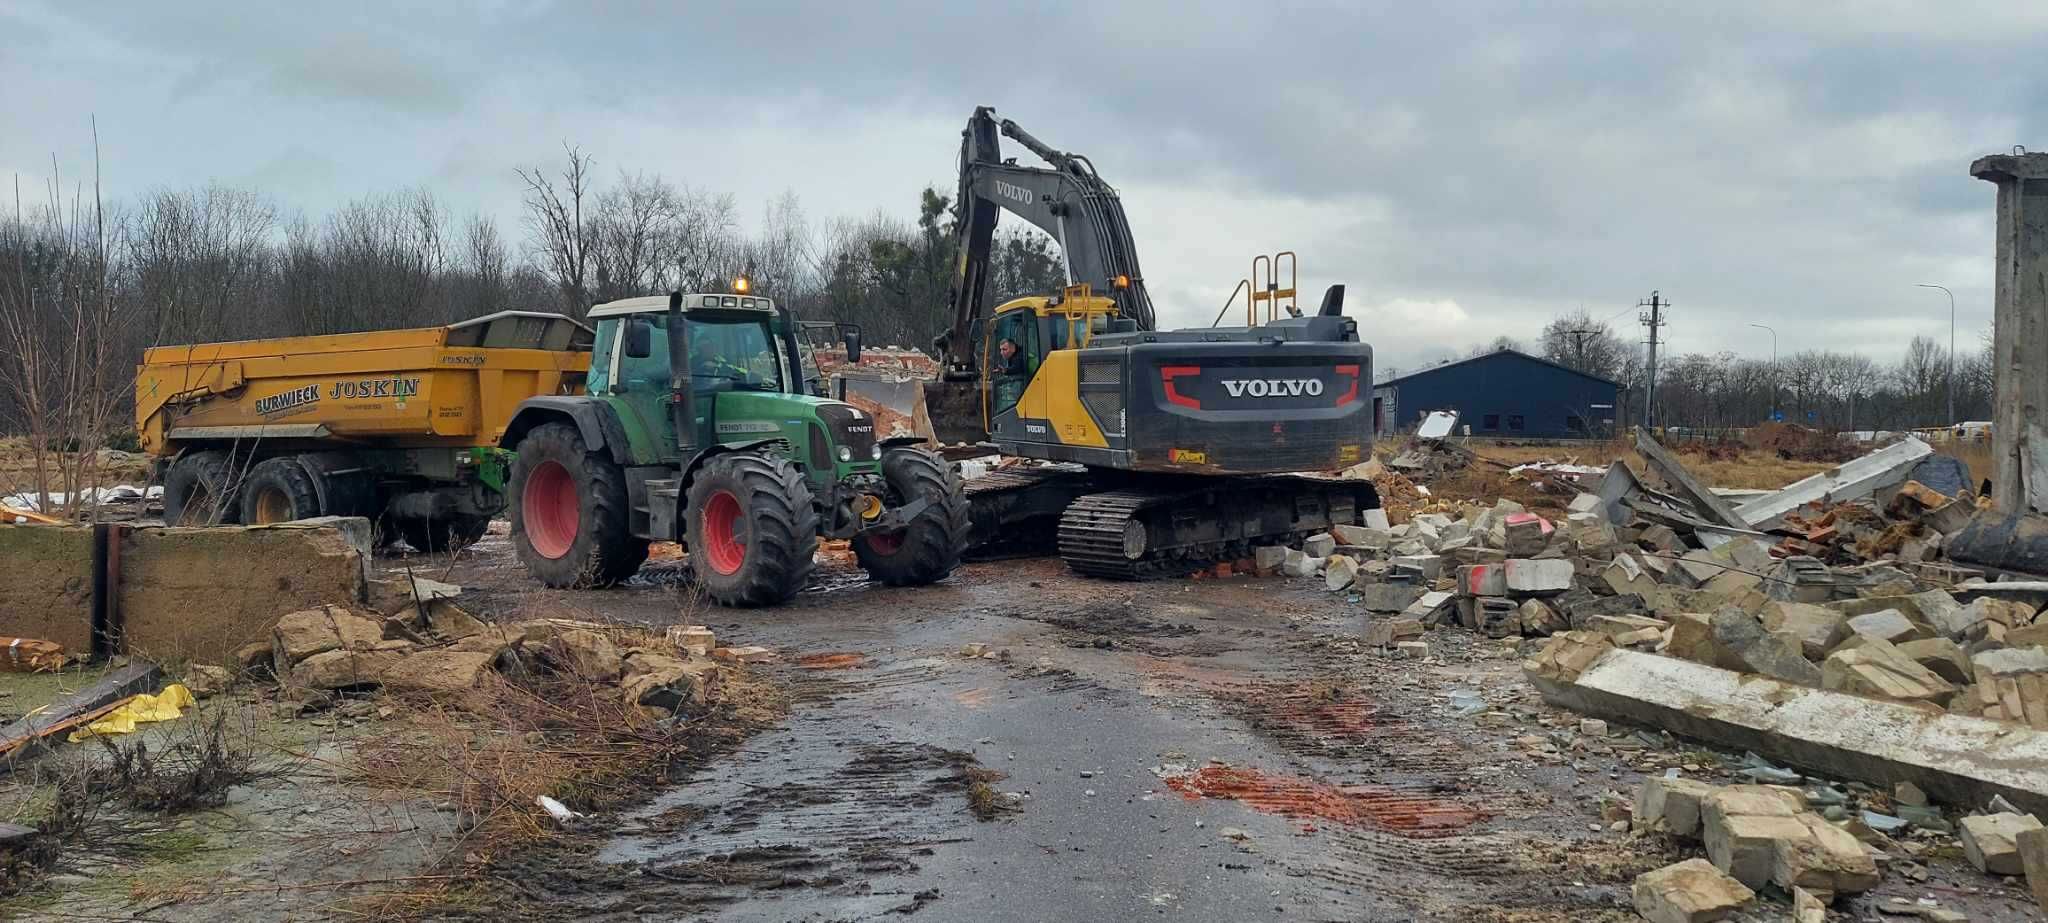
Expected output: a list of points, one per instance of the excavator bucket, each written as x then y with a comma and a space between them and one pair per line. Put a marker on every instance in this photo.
954, 409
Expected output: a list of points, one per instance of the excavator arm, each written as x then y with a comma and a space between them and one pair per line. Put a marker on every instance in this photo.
1066, 200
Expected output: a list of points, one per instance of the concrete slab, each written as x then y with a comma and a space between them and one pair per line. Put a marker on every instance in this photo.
1955, 758
1853, 480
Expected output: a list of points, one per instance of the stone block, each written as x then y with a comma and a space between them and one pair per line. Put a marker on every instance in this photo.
1615, 626
1580, 609
1746, 845
299, 635
2008, 662
1695, 568
1817, 628
1387, 597
694, 640
1566, 656
1540, 620
1300, 564
1990, 841
1498, 617
2033, 849
1431, 608
752, 653
343, 669
1889, 625
1427, 566
1412, 650
1827, 858
1359, 537
1740, 636
1671, 805
1693, 891
1524, 535
1876, 668
1266, 559
1537, 576
1587, 503
1483, 580
1807, 907
1340, 572
1941, 656
1659, 538
1692, 638
1801, 579
199, 594
437, 671
1388, 632
1318, 546
1625, 575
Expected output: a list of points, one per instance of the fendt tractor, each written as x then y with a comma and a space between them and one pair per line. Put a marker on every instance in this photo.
696, 426
1184, 445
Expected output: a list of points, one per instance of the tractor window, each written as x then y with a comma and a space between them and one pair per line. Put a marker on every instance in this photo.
649, 374
734, 354
1017, 330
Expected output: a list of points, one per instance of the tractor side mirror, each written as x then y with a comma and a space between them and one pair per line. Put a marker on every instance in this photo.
853, 347
639, 338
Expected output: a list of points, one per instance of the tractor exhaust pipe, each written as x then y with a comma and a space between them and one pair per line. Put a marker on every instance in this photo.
682, 407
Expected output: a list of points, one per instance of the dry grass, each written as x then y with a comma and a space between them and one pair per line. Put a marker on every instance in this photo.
1742, 467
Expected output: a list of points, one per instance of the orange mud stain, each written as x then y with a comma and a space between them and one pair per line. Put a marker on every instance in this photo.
1358, 805
841, 660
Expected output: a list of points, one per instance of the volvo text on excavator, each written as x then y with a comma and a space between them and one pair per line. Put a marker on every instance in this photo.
1177, 448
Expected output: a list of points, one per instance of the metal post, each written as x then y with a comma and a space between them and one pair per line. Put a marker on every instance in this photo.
1951, 350
1774, 369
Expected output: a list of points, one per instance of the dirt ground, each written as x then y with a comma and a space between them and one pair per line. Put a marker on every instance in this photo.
1202, 750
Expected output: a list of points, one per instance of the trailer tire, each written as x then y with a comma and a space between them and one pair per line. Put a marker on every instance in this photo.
199, 491
279, 490
568, 509
430, 536
930, 547
752, 529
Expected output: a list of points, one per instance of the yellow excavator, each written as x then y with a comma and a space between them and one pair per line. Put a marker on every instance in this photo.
1175, 448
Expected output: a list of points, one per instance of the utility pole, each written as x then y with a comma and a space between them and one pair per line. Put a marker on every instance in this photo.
1579, 344
1653, 319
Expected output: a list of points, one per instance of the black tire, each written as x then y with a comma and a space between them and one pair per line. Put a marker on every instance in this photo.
930, 547
279, 490
199, 490
433, 536
774, 528
595, 546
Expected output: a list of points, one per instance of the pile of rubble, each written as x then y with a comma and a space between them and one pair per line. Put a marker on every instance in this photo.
422, 643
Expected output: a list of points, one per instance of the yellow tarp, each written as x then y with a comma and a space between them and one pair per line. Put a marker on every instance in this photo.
142, 709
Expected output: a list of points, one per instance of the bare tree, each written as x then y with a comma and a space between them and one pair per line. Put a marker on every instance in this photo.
562, 238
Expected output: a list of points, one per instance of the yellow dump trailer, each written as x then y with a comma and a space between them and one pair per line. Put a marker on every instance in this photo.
397, 425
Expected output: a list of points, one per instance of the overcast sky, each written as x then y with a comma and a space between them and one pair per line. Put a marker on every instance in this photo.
1468, 171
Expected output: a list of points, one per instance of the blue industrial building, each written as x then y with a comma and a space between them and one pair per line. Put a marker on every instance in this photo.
1503, 393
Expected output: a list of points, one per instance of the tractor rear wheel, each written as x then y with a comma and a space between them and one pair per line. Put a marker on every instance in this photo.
279, 490
199, 491
929, 548
751, 529
569, 522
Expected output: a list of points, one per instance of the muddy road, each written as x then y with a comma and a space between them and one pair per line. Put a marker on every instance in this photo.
1198, 750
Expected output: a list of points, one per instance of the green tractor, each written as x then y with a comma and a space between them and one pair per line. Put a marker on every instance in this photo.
695, 428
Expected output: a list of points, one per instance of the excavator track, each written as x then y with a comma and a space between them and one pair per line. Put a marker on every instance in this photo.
1014, 512
1147, 532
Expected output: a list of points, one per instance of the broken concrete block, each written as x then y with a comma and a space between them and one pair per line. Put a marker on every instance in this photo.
1801, 579
1889, 625
1376, 518
1587, 503
1879, 669
1266, 559
1965, 622
1827, 858
1671, 805
1428, 566
1955, 759
1624, 575
1732, 583
1299, 564
1387, 597
1590, 530
1539, 619
1746, 845
1358, 537
1741, 636
1524, 535
2033, 849
1941, 656
752, 653
1693, 891
694, 640
1659, 538
1695, 568
1498, 617
1615, 626
1431, 608
584, 652
1537, 576
1339, 572
1817, 628
1990, 841
1483, 580
437, 671
1807, 907
657, 680
1388, 632
1692, 638
1412, 650
204, 680
343, 669
302, 634
2008, 662
1318, 546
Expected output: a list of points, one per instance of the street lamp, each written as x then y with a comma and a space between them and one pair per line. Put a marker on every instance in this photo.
1951, 349
1774, 370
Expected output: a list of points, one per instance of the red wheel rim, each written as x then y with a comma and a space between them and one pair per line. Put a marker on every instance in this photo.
884, 543
723, 549
550, 511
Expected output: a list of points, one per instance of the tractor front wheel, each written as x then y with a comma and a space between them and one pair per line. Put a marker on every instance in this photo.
929, 548
569, 522
752, 529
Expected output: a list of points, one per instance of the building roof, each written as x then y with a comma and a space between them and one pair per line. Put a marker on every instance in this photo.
1495, 354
